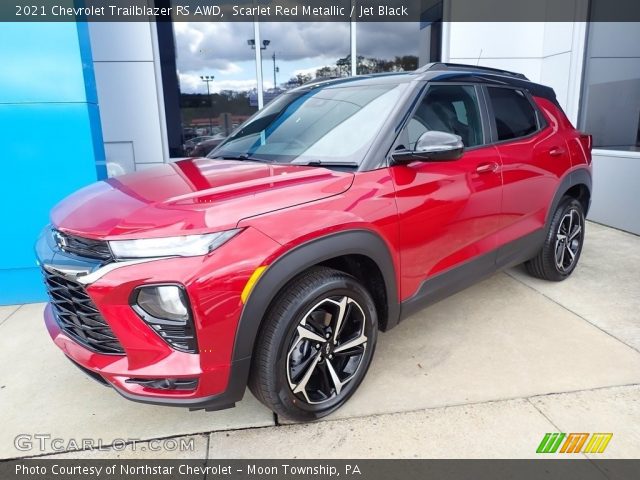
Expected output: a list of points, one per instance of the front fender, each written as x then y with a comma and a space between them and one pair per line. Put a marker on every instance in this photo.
280, 272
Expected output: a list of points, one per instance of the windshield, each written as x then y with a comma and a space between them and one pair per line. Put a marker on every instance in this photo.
322, 125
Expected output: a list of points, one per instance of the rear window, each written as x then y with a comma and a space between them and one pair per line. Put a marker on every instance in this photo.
514, 114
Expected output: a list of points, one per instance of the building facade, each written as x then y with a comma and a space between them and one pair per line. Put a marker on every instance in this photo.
129, 96
50, 139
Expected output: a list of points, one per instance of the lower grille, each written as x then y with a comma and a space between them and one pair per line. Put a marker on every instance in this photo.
78, 317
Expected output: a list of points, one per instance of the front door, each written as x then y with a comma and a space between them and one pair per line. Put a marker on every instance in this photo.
449, 211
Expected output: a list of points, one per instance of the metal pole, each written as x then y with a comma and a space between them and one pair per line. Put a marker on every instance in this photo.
354, 58
274, 70
256, 37
210, 108
208, 79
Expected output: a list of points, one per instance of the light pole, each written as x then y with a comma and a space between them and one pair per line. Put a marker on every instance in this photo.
252, 44
275, 69
263, 46
354, 38
208, 79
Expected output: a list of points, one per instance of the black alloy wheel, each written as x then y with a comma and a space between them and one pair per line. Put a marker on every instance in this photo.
315, 345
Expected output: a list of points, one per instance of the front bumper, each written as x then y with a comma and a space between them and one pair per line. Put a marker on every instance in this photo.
213, 283
114, 372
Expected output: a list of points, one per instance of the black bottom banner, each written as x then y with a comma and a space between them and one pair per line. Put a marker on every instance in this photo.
66, 469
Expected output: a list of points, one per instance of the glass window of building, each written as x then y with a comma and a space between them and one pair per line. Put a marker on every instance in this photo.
217, 77
610, 105
216, 63
396, 46
303, 51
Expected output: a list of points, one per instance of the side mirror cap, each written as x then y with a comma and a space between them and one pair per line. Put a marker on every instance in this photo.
432, 146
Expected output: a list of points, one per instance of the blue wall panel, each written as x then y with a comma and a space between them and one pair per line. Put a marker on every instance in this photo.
50, 139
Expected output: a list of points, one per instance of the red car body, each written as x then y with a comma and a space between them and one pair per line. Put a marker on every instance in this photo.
430, 228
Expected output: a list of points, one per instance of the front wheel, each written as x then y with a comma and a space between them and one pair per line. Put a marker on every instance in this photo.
315, 345
563, 245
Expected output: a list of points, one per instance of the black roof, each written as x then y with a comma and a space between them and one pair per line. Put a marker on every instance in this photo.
461, 67
445, 72
486, 75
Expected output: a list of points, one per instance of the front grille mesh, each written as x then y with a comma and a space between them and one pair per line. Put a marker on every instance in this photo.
78, 317
83, 247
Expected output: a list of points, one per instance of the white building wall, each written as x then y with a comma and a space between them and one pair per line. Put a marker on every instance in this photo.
616, 175
129, 95
612, 90
546, 52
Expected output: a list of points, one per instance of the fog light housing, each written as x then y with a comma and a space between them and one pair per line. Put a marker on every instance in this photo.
165, 308
166, 383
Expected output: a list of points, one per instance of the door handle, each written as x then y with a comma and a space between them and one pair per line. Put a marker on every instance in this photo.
556, 151
488, 167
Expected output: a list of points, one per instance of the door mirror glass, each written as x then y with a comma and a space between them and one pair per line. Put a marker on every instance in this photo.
432, 146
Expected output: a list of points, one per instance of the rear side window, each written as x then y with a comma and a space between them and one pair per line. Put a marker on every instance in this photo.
514, 114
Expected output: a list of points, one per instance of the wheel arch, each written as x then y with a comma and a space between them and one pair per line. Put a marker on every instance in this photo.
319, 251
577, 184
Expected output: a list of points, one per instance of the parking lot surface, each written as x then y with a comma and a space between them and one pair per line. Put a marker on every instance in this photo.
497, 365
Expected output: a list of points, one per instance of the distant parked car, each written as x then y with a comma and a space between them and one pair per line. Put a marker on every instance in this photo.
190, 144
202, 149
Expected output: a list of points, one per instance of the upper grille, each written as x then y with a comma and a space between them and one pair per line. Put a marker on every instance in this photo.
78, 317
83, 247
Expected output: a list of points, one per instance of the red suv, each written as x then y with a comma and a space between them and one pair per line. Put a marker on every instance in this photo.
341, 208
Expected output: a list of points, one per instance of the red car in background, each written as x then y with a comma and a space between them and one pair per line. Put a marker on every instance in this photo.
339, 209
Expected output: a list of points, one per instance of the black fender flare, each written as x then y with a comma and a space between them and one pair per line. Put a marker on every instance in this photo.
295, 261
580, 176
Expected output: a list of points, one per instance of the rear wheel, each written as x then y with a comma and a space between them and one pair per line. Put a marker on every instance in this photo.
315, 346
563, 245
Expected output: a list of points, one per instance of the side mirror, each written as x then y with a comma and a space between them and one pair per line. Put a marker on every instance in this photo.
432, 146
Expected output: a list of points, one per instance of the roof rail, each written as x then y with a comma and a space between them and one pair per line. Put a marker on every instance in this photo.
322, 79
469, 68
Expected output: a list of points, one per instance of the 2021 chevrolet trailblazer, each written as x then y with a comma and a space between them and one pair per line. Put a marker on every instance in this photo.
338, 210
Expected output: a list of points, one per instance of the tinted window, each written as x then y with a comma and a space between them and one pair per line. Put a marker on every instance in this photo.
515, 116
610, 104
447, 108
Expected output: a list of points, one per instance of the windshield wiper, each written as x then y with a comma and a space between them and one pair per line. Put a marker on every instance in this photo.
241, 157
319, 163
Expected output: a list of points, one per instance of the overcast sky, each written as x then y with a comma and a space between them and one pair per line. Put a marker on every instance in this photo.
220, 49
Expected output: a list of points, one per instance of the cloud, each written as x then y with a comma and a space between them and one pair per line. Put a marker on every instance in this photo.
220, 48
218, 44
307, 71
191, 83
387, 39
211, 45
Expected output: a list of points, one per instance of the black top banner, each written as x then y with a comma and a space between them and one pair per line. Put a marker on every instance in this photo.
424, 11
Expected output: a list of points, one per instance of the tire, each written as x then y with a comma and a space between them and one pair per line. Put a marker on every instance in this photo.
563, 244
296, 370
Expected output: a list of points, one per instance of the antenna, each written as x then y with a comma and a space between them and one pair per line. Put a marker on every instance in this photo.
479, 55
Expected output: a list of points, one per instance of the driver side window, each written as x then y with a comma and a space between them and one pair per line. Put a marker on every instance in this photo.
447, 108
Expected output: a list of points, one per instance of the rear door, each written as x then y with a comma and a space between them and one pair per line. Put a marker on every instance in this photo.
533, 155
448, 211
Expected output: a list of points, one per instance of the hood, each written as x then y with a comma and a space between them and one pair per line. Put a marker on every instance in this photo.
192, 196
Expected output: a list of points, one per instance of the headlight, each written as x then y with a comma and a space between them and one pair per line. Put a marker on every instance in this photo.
184, 246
